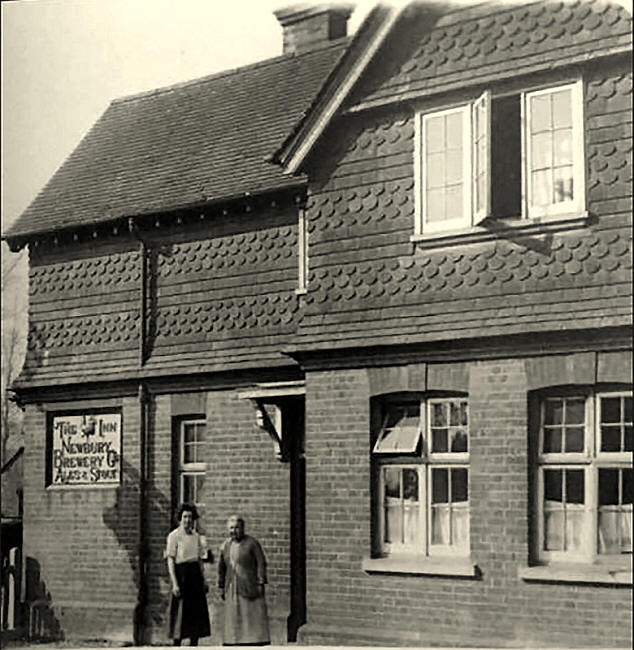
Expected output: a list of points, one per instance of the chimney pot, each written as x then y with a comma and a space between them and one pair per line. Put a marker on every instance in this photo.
306, 26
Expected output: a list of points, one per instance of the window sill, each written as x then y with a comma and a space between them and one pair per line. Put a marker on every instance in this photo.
437, 566
493, 228
576, 573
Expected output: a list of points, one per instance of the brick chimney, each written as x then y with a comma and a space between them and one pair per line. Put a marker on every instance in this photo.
308, 25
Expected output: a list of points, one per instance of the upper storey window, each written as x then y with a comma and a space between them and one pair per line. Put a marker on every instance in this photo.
514, 156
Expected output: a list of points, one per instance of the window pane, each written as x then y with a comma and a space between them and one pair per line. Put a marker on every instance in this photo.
540, 113
610, 438
435, 134
574, 486
435, 170
609, 526
627, 407
440, 486
563, 147
188, 489
459, 485
611, 409
459, 441
455, 207
392, 478
552, 485
541, 187
454, 130
574, 529
192, 487
200, 483
553, 530
608, 487
439, 440
439, 414
410, 524
552, 440
628, 437
435, 208
562, 109
393, 524
458, 413
189, 431
453, 167
574, 439
626, 531
460, 527
541, 151
410, 484
189, 455
627, 486
575, 411
440, 525
562, 188
200, 432
554, 411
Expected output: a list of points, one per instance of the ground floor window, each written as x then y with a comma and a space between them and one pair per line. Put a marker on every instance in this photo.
583, 499
191, 465
420, 461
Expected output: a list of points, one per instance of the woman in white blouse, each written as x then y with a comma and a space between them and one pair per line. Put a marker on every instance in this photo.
188, 613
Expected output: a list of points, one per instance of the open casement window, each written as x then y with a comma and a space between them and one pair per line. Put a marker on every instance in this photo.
421, 456
455, 152
192, 467
584, 479
481, 145
553, 150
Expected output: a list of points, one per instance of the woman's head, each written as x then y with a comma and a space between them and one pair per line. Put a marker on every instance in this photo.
235, 526
187, 515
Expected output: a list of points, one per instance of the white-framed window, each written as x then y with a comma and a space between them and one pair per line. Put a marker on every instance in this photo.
421, 469
503, 155
583, 500
554, 173
191, 465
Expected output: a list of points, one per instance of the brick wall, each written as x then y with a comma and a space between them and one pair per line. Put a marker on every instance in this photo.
80, 544
84, 542
348, 606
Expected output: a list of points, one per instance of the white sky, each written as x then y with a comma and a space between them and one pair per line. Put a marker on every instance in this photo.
64, 60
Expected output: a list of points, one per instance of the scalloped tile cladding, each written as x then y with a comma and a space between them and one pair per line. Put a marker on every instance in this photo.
477, 42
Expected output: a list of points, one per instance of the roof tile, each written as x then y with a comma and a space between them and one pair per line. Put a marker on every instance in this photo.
186, 145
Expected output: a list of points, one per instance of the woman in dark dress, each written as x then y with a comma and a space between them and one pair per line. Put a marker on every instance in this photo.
188, 613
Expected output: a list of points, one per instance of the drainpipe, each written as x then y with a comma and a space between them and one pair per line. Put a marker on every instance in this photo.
143, 549
140, 610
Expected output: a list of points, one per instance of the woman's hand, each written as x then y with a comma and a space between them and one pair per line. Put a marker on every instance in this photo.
221, 593
176, 591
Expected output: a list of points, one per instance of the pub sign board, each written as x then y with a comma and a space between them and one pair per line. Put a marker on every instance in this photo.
84, 449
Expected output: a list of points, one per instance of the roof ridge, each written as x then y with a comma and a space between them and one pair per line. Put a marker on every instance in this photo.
226, 73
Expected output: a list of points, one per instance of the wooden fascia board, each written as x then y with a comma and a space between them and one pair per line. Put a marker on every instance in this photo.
307, 136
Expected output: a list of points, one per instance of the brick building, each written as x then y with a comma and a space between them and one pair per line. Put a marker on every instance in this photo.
375, 295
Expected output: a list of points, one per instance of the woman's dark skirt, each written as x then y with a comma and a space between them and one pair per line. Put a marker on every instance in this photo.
188, 614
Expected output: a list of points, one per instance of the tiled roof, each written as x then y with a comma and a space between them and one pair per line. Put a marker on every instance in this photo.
435, 48
183, 146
